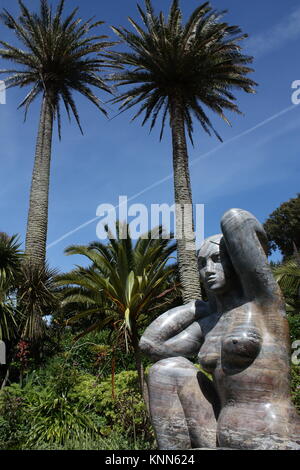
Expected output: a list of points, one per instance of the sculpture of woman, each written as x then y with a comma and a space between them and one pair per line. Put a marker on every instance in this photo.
241, 338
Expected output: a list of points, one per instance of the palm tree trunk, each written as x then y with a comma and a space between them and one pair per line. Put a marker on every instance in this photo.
186, 248
37, 222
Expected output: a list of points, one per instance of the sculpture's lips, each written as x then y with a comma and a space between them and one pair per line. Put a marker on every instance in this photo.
211, 280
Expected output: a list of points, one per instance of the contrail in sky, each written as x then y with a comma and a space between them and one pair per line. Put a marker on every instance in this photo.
170, 176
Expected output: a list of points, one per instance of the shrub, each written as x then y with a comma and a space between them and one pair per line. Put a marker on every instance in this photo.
56, 417
124, 413
68, 409
57, 420
94, 352
13, 424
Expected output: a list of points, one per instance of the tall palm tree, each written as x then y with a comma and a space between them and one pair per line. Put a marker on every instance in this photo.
175, 69
60, 56
122, 286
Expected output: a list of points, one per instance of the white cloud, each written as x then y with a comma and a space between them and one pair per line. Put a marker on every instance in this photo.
287, 30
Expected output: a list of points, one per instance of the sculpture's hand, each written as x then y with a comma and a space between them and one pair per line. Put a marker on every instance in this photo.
240, 220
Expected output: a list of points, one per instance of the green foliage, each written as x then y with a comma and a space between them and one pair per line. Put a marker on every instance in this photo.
123, 282
61, 407
114, 441
50, 414
125, 413
283, 227
294, 324
123, 286
85, 353
92, 354
10, 270
44, 413
287, 274
36, 299
13, 421
10, 261
56, 419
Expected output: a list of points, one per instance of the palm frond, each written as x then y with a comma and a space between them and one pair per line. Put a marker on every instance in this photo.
288, 276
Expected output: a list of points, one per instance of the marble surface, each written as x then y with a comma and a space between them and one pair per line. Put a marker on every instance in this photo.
241, 338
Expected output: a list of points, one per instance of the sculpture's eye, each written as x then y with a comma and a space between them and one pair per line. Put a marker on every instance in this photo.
216, 258
201, 262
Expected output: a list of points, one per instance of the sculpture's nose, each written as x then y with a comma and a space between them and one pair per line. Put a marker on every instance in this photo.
210, 267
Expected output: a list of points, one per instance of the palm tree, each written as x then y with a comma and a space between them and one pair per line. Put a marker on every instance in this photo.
175, 69
60, 56
122, 285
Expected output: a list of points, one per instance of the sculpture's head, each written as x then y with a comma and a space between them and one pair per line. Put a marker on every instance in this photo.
215, 268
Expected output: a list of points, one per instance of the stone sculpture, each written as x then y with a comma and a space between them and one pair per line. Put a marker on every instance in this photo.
241, 337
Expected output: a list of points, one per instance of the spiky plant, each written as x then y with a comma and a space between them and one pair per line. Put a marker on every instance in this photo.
37, 298
177, 70
60, 55
11, 258
287, 275
123, 284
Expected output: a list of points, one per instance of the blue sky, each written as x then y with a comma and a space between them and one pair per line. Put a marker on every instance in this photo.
256, 168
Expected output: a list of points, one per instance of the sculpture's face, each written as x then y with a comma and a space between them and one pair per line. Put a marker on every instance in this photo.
214, 265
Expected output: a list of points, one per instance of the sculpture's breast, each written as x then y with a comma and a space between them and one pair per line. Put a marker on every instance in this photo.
240, 347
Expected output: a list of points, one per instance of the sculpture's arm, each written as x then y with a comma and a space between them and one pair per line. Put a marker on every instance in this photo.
246, 243
175, 333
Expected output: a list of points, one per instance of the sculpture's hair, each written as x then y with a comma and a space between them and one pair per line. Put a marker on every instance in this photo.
216, 239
